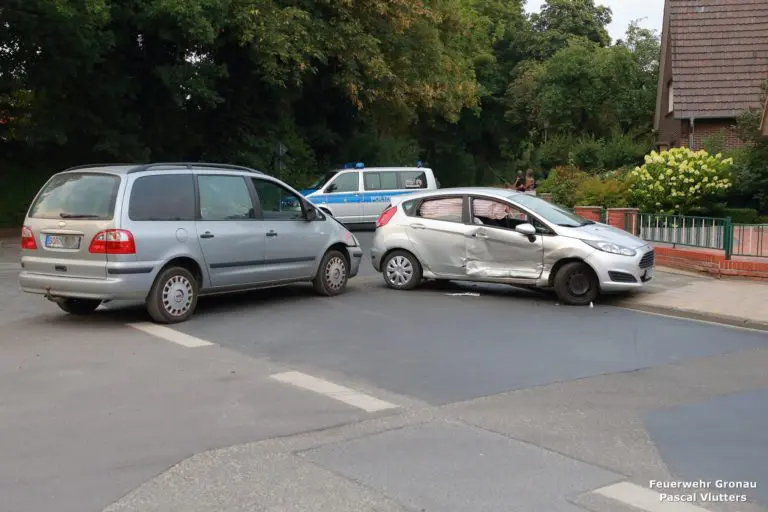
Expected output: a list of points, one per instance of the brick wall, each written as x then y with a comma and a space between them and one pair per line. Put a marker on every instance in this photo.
594, 213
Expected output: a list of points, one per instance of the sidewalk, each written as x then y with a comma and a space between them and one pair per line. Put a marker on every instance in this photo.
687, 294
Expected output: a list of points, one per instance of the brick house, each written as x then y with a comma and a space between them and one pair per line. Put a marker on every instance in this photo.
714, 61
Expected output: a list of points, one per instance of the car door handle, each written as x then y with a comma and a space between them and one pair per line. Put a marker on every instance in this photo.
271, 233
418, 226
481, 235
207, 234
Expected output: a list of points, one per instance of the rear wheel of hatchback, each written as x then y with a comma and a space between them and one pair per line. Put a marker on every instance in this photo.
401, 270
173, 297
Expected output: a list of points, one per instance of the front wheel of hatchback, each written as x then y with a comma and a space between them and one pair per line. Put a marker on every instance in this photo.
78, 307
332, 274
402, 271
576, 284
173, 297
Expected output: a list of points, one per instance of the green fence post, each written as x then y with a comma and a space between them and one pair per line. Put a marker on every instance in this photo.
728, 237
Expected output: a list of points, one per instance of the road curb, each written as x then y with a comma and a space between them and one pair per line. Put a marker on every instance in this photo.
732, 321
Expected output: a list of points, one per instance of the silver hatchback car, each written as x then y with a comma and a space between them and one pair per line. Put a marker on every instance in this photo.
499, 236
167, 233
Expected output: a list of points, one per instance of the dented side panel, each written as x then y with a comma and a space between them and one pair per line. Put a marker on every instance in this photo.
441, 245
557, 248
495, 253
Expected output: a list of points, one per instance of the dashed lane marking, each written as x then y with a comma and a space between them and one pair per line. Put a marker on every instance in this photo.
168, 334
644, 499
323, 387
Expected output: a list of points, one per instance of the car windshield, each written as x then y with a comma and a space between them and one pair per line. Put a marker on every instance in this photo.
549, 212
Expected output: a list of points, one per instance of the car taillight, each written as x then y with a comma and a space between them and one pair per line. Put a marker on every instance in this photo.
28, 239
113, 241
386, 216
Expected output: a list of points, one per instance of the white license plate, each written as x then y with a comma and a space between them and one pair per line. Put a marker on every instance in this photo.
62, 241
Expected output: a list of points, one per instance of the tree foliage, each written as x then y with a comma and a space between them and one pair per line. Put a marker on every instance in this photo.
477, 88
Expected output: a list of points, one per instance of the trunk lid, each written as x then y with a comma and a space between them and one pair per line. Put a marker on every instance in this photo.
71, 209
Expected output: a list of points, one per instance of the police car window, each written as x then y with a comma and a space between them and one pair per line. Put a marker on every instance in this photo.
448, 209
277, 203
348, 182
413, 179
380, 180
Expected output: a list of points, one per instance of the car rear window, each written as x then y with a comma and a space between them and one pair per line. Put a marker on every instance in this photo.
166, 197
77, 196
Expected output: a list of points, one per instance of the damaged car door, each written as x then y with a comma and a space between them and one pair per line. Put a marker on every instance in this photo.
502, 243
437, 230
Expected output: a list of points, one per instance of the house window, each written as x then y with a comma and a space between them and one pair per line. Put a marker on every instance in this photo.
671, 106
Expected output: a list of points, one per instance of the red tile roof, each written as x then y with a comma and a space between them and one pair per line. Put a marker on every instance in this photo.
719, 56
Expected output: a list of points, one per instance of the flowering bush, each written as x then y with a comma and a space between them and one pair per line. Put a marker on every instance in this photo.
678, 180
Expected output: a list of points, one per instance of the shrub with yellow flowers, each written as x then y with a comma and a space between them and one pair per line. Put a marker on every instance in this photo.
678, 180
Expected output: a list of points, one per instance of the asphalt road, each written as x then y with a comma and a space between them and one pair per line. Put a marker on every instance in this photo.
453, 398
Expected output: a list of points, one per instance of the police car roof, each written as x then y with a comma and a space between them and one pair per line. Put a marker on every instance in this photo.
389, 169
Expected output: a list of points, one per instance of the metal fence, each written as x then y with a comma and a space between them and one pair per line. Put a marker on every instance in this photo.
750, 240
703, 232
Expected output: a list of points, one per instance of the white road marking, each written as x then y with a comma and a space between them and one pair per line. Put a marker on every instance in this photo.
464, 294
644, 499
168, 334
348, 396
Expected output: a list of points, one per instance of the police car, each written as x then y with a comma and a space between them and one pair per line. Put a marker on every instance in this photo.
358, 195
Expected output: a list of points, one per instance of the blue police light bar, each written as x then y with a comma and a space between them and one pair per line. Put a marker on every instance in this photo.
359, 165
419, 164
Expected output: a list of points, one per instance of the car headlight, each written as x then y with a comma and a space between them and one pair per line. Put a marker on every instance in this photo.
610, 247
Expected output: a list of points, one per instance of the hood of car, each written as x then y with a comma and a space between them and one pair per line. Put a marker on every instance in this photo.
605, 233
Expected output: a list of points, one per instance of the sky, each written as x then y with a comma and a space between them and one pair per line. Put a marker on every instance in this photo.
624, 11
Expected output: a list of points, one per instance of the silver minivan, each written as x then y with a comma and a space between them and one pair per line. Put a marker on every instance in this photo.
167, 233
358, 196
500, 236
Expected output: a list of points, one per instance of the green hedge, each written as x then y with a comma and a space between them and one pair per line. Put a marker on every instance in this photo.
17, 193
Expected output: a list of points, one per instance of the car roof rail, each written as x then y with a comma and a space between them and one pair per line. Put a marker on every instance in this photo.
190, 165
93, 166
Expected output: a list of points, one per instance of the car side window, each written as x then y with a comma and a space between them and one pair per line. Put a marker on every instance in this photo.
163, 197
347, 182
449, 209
277, 203
497, 214
380, 180
413, 179
224, 198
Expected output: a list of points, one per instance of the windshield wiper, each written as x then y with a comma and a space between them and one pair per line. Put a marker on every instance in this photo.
587, 223
569, 225
65, 215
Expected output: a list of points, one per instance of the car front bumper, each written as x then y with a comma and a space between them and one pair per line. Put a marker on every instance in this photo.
618, 273
355, 257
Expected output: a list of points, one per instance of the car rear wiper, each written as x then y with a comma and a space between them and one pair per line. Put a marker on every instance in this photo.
65, 215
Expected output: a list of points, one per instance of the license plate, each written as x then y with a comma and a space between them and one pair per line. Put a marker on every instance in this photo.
62, 241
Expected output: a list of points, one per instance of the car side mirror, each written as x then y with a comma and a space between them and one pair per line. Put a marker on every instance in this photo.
526, 229
312, 214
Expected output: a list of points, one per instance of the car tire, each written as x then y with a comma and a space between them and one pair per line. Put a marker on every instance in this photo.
576, 284
173, 297
332, 274
402, 271
78, 307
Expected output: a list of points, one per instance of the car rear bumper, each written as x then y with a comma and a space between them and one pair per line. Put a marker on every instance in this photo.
621, 273
355, 257
114, 287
